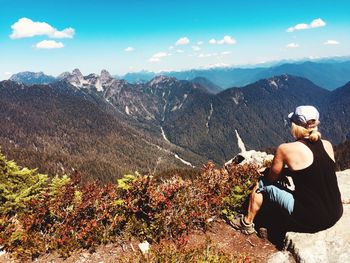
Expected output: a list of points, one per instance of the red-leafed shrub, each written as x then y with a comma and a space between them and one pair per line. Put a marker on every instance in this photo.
65, 214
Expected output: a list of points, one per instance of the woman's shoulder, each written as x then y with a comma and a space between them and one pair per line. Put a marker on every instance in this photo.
329, 148
326, 143
289, 145
296, 147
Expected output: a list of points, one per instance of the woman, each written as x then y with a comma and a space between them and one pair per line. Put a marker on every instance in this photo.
316, 203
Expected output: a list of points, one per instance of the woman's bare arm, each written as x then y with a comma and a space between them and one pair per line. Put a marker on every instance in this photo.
277, 165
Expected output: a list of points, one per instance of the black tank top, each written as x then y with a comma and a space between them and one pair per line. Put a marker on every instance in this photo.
317, 197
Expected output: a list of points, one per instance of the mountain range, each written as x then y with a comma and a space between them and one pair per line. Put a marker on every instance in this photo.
329, 74
326, 74
106, 126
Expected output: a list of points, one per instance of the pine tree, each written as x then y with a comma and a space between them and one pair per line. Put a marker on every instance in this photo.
17, 186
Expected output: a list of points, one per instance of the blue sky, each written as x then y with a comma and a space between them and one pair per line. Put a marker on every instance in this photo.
127, 36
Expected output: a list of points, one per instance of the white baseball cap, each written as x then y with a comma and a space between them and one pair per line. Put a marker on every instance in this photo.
303, 114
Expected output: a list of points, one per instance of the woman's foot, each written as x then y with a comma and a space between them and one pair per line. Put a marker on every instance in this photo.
239, 224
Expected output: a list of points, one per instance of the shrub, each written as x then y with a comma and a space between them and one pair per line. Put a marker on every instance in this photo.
64, 214
17, 186
243, 180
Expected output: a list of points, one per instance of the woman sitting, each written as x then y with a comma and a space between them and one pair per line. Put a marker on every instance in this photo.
315, 204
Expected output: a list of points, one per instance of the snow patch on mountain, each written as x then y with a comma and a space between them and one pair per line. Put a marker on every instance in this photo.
184, 161
209, 116
149, 115
163, 134
273, 83
237, 97
240, 143
169, 152
175, 108
127, 111
252, 156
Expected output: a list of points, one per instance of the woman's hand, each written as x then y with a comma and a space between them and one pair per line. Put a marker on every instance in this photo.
264, 171
284, 181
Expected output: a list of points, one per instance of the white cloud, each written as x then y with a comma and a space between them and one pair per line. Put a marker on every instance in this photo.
7, 73
196, 48
153, 59
171, 47
331, 42
25, 27
292, 45
179, 51
49, 44
199, 43
182, 41
226, 40
218, 65
226, 53
317, 23
129, 49
158, 56
208, 55
298, 27
314, 24
65, 33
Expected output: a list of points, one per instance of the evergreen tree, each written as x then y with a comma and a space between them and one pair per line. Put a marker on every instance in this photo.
17, 186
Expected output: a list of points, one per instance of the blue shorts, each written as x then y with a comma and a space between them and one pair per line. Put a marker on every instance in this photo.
277, 194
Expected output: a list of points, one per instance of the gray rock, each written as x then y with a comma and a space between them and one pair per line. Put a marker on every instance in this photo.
280, 257
344, 185
252, 156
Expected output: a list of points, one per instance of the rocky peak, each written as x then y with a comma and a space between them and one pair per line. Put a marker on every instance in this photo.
75, 78
105, 76
161, 80
64, 75
92, 76
278, 81
76, 72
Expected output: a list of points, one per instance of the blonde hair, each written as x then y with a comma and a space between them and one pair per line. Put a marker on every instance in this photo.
299, 132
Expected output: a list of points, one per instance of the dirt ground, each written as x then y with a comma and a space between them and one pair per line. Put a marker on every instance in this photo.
220, 235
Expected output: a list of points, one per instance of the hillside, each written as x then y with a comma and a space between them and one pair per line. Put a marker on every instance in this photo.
257, 112
164, 123
342, 156
337, 112
50, 129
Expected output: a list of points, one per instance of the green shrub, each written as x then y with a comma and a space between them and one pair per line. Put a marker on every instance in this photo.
244, 178
18, 186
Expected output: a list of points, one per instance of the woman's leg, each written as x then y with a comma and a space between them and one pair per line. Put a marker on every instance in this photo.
255, 203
